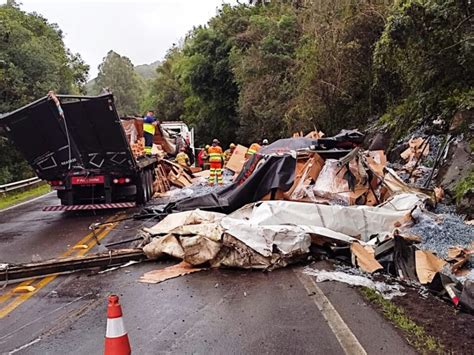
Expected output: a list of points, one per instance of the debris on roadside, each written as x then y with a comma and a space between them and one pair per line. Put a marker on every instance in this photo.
70, 264
313, 197
170, 272
386, 290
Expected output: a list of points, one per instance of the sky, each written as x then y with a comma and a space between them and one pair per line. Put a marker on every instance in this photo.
142, 30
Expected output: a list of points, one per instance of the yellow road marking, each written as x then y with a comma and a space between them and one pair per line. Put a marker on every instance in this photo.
88, 240
68, 252
22, 298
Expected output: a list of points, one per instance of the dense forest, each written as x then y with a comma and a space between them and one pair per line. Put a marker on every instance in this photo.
268, 69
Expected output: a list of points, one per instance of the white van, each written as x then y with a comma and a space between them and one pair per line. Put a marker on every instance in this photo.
181, 128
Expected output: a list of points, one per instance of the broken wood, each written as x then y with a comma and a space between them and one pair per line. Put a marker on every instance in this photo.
68, 264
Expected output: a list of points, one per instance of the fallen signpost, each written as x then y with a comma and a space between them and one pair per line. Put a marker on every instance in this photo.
62, 265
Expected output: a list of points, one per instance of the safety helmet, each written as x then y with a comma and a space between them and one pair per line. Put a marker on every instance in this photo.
232, 145
207, 146
215, 140
265, 141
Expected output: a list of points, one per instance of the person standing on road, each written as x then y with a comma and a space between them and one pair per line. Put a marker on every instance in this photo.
215, 159
149, 127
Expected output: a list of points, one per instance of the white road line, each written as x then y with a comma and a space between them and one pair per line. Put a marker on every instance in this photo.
341, 330
23, 347
26, 202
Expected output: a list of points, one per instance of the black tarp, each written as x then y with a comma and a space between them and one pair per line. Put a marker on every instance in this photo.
261, 175
272, 168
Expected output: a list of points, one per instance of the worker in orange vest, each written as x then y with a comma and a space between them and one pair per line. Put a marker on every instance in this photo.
215, 159
254, 148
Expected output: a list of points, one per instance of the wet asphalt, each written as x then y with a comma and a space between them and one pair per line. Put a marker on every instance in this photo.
209, 312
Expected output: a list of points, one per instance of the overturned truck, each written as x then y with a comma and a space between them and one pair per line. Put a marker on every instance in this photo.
78, 145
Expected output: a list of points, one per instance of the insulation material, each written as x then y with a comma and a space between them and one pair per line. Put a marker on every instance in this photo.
237, 160
170, 272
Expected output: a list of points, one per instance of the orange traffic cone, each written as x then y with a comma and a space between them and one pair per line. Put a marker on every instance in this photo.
116, 338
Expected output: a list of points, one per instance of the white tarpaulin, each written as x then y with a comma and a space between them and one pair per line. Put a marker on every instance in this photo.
179, 219
355, 221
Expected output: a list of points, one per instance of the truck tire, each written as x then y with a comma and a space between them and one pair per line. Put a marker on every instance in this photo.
149, 176
142, 191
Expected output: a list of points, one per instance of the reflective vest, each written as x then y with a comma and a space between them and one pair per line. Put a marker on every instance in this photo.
254, 148
215, 154
149, 128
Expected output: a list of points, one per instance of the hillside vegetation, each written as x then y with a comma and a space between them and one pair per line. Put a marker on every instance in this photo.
266, 70
273, 69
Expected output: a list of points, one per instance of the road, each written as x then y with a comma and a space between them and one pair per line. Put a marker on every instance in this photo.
212, 312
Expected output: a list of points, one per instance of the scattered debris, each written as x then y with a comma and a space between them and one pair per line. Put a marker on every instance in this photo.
70, 264
170, 272
387, 291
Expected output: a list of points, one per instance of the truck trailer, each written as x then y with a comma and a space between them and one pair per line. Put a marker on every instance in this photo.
77, 144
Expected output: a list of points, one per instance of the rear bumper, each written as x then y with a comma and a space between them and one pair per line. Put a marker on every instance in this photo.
97, 206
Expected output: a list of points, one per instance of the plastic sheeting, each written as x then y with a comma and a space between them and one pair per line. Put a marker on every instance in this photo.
387, 291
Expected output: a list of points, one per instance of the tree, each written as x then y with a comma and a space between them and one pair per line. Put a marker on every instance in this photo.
33, 61
424, 62
117, 73
166, 92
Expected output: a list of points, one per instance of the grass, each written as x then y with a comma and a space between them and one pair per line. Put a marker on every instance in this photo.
17, 197
415, 334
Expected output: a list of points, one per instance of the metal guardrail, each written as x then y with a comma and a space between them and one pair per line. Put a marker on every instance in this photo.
19, 184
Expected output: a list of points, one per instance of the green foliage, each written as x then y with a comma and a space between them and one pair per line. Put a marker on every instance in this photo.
116, 73
266, 71
33, 61
464, 186
165, 93
16, 197
424, 60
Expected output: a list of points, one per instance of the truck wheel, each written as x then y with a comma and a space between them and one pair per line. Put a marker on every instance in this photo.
142, 191
150, 184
